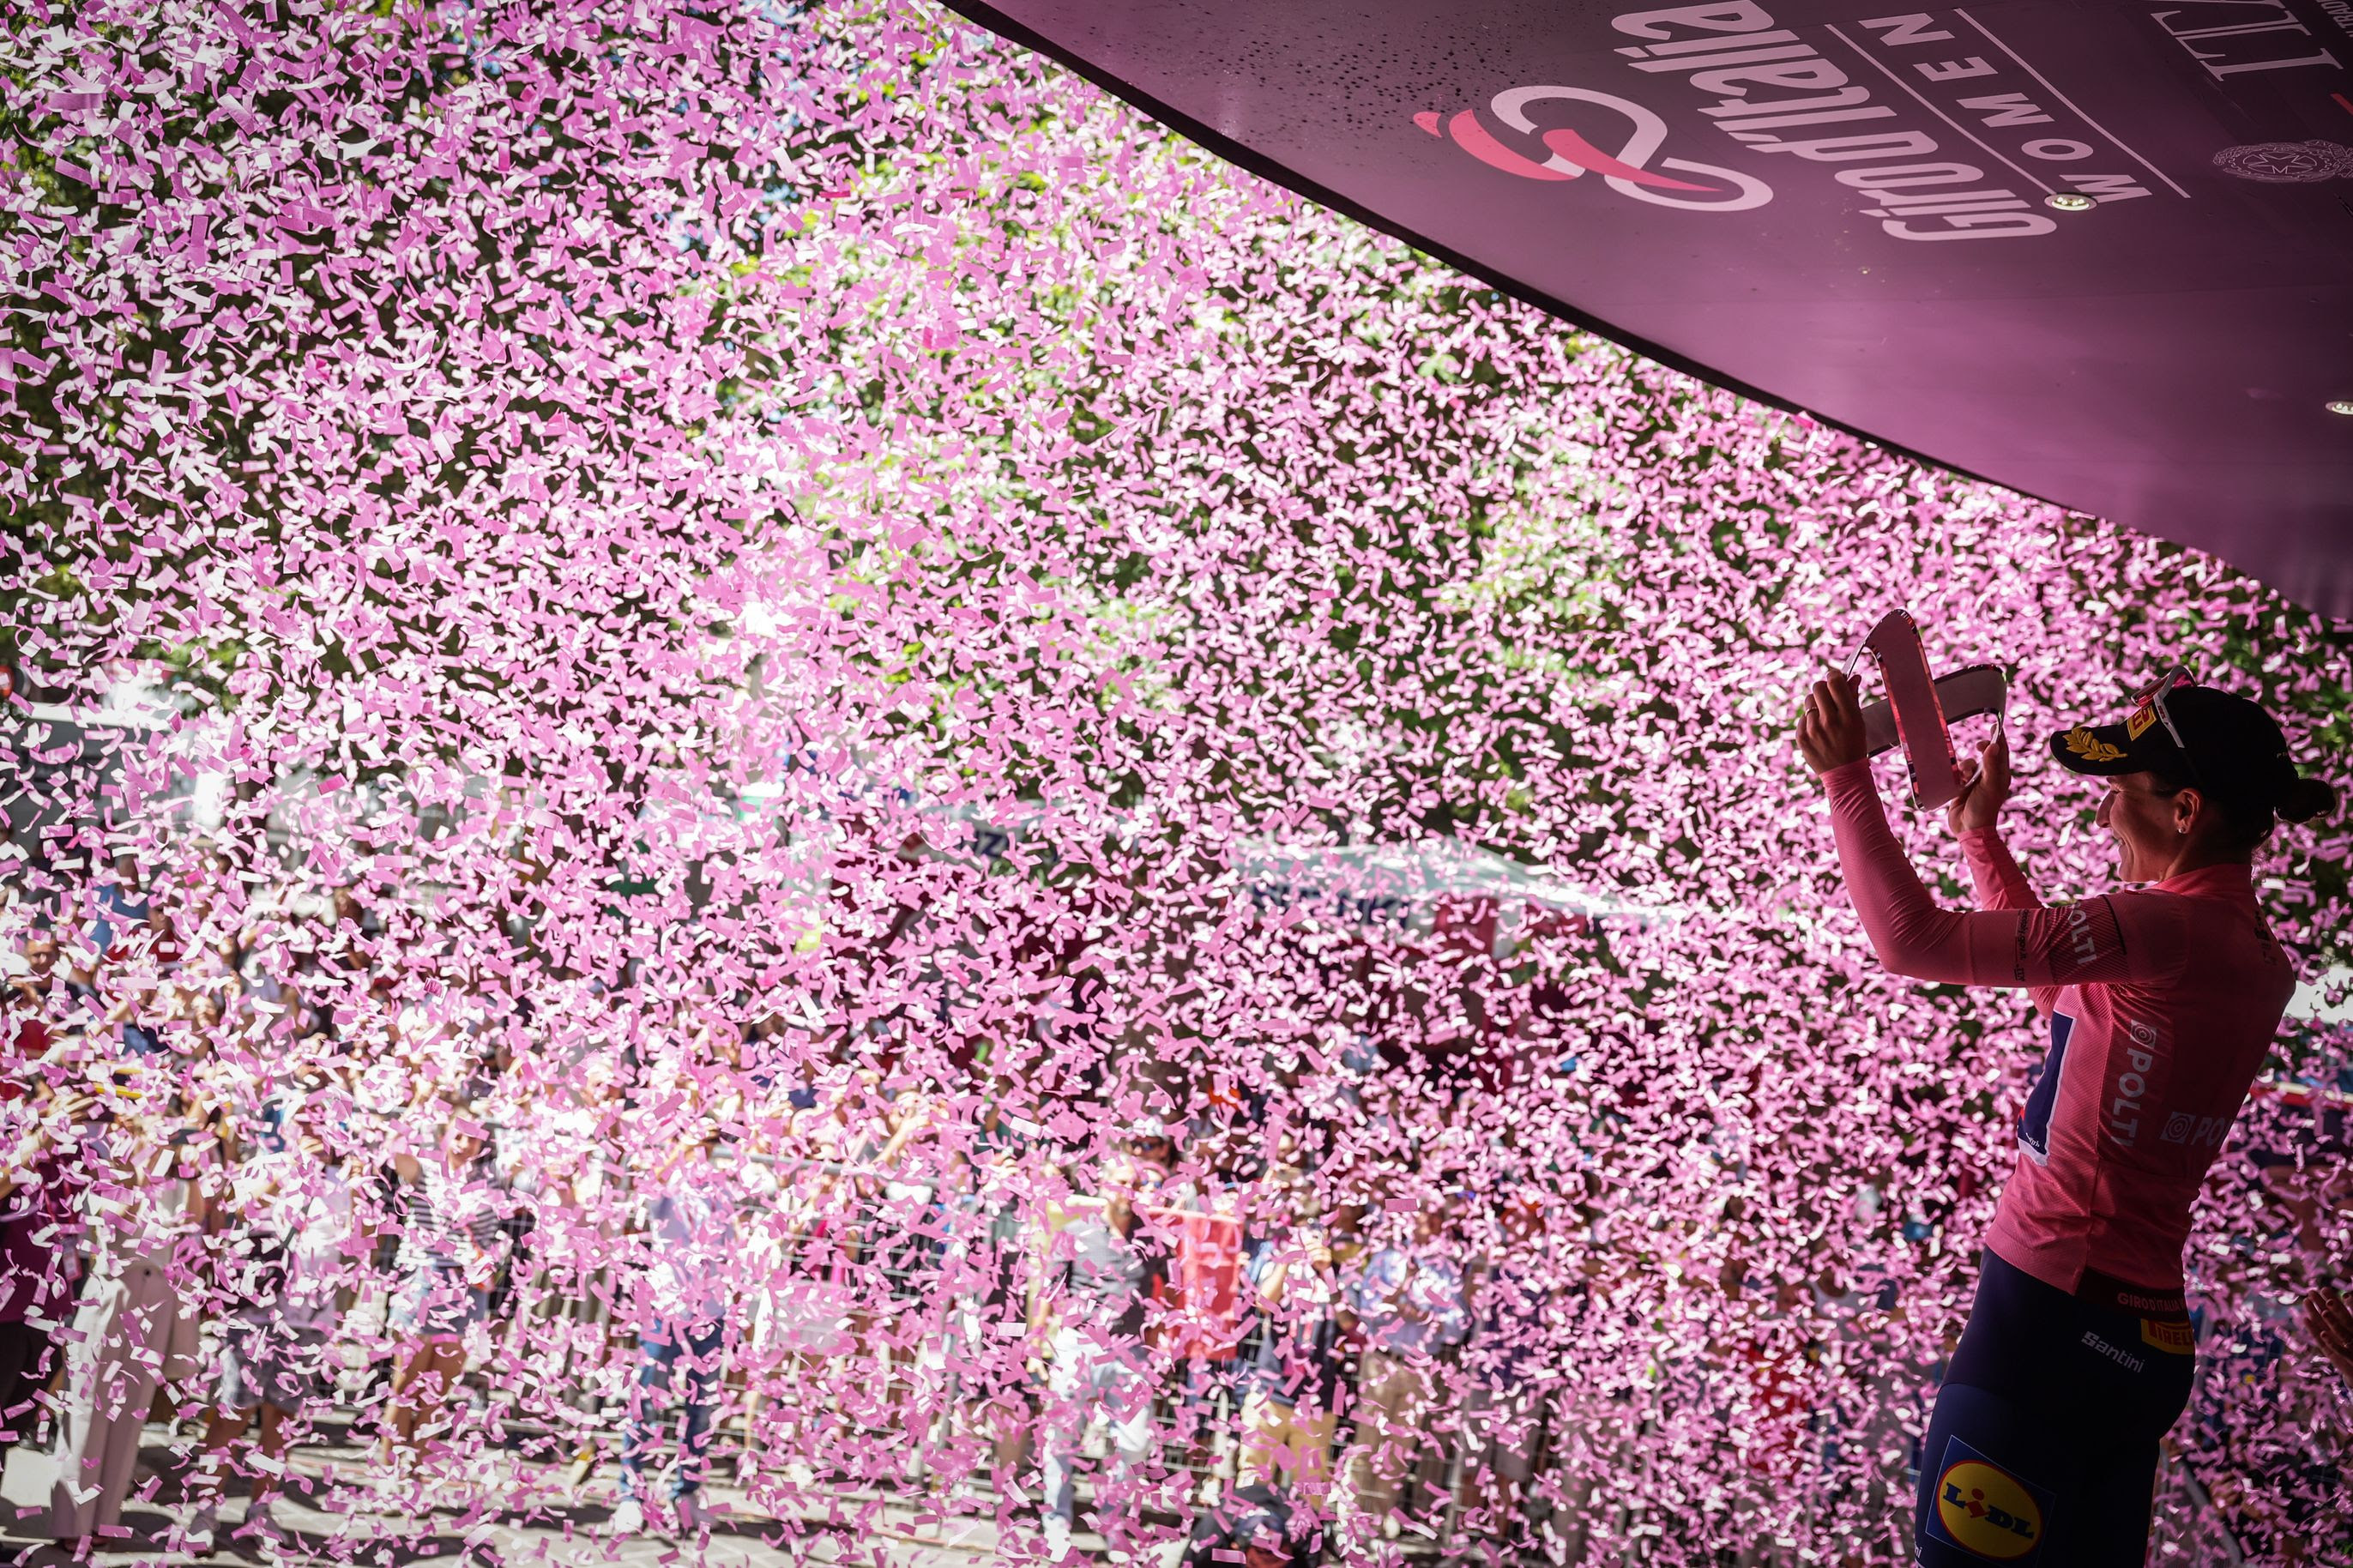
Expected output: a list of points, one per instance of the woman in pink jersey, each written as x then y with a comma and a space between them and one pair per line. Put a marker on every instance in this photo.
2161, 1001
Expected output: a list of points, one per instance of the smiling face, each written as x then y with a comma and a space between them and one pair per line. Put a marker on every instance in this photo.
462, 1149
2151, 827
1125, 1180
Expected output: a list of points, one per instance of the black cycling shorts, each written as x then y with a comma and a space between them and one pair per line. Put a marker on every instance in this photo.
2042, 1451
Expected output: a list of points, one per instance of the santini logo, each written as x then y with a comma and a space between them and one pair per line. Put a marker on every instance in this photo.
1570, 156
2116, 1354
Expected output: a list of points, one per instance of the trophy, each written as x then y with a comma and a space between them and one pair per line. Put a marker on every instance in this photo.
1918, 710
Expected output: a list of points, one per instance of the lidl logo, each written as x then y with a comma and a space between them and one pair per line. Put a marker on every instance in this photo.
1986, 1510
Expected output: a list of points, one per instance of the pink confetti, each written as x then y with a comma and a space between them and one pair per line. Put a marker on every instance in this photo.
784, 674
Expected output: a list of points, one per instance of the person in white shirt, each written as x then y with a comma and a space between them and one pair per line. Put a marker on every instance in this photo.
684, 1317
1104, 1270
1407, 1299
132, 1330
292, 1234
453, 1212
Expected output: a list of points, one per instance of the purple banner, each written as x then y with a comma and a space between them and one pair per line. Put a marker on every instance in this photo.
2102, 253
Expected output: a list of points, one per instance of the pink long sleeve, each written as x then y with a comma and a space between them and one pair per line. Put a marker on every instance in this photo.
2161, 1006
2001, 885
2121, 938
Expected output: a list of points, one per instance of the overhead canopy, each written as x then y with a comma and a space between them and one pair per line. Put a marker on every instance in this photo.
2102, 254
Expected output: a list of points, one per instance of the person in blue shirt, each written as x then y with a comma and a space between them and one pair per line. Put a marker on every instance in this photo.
1295, 1381
1505, 1355
1407, 1299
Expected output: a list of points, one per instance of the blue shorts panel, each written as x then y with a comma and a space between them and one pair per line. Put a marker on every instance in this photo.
2044, 1447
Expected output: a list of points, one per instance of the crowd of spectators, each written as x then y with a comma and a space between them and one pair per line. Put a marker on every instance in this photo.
317, 1172
268, 1185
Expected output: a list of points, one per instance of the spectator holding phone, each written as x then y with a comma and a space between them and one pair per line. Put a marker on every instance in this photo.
27, 1028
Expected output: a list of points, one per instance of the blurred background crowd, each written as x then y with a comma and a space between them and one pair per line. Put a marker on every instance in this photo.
323, 1179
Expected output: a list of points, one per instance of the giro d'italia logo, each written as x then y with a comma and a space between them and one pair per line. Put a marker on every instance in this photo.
1634, 169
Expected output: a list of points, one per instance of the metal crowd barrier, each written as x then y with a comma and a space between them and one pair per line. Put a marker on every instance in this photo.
591, 1377
1195, 1421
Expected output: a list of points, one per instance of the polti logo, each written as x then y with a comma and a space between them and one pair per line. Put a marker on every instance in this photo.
1570, 155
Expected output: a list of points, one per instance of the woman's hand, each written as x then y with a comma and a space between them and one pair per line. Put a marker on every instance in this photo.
1984, 788
1830, 728
2331, 1322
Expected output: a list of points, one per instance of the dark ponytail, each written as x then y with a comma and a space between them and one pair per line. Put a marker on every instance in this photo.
2301, 799
2247, 821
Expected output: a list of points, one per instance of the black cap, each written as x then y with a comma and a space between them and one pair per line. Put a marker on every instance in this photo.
2229, 747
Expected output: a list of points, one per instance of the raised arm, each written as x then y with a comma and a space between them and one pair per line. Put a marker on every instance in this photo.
2102, 941
1996, 877
2001, 885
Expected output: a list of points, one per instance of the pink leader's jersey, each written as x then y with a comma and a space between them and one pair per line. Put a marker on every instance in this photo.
2162, 1003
